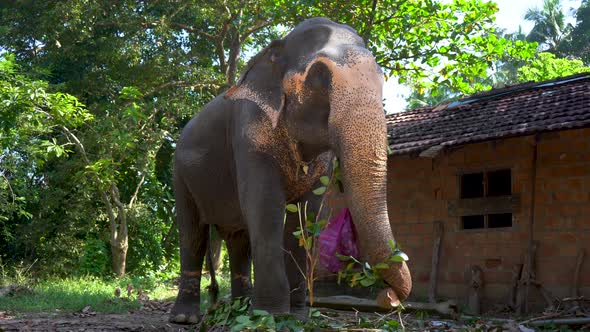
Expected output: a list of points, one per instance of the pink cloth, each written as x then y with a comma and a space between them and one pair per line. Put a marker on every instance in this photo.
338, 237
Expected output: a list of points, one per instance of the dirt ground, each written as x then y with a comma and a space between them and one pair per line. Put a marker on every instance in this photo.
145, 319
153, 316
157, 320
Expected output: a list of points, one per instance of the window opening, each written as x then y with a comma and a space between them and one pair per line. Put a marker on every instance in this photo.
473, 222
486, 184
472, 185
499, 183
500, 220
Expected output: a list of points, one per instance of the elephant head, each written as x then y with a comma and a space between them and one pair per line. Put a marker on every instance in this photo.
323, 85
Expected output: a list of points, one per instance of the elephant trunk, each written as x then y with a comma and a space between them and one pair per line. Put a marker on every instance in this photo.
358, 136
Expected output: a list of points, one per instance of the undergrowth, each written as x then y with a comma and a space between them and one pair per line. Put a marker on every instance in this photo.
75, 293
237, 315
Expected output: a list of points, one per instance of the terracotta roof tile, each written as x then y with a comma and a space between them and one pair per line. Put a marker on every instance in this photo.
517, 110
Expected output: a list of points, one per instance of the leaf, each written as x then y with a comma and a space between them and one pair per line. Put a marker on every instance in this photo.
315, 312
325, 180
243, 319
292, 208
258, 312
381, 266
400, 257
308, 243
366, 282
392, 245
319, 191
343, 258
305, 169
239, 327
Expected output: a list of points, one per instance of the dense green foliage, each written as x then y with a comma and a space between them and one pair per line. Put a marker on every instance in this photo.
546, 66
562, 50
93, 95
577, 44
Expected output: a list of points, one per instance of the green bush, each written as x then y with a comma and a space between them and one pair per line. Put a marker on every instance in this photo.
147, 250
95, 258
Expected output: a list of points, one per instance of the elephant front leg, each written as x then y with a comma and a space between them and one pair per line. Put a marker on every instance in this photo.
193, 244
263, 205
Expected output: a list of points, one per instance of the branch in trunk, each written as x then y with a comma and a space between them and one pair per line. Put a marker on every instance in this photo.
103, 194
121, 236
259, 26
180, 83
199, 32
367, 32
234, 55
134, 197
150, 25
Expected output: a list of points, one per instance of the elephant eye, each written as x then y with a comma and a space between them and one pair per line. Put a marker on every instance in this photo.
274, 56
275, 50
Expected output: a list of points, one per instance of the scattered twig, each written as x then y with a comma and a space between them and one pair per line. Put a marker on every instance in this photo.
401, 321
553, 315
345, 302
575, 299
562, 321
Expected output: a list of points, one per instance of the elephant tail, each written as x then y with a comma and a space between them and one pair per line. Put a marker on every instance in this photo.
213, 287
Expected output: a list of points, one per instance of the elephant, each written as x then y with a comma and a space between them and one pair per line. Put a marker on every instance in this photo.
264, 143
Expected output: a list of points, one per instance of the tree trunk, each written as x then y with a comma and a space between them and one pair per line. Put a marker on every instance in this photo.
118, 223
119, 235
119, 256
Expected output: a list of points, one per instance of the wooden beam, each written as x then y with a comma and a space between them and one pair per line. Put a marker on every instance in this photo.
484, 205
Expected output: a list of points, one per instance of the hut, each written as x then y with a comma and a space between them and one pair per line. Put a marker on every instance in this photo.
492, 192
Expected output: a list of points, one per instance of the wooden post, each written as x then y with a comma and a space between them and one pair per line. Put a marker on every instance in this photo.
526, 277
576, 282
516, 272
438, 233
532, 246
475, 289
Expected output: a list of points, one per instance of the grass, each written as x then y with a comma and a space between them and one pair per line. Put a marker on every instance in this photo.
73, 294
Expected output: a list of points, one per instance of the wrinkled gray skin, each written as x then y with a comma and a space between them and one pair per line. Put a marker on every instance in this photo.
242, 158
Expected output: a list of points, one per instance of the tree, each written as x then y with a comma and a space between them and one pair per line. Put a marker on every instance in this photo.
550, 29
429, 43
144, 68
37, 127
577, 44
546, 66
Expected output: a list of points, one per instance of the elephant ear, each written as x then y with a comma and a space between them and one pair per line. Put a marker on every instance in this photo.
261, 82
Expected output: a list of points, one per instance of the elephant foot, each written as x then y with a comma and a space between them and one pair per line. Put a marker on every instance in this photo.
185, 314
275, 310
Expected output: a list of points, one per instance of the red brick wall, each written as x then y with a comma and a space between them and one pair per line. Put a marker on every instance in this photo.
419, 191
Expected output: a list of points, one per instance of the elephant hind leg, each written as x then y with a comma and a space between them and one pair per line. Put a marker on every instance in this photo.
240, 258
193, 245
210, 265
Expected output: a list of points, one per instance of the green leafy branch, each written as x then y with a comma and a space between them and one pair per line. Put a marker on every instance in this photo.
364, 274
310, 225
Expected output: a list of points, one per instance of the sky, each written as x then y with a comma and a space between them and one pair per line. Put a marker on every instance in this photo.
510, 15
